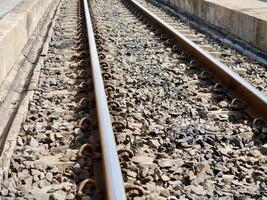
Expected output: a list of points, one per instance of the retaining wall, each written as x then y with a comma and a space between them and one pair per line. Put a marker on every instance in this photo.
245, 19
15, 29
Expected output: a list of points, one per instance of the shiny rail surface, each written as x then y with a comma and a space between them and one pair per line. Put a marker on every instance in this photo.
254, 99
113, 177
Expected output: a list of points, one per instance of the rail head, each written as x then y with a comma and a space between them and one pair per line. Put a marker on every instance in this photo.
253, 97
113, 177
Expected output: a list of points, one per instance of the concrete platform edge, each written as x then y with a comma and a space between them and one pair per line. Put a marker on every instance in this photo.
16, 28
241, 25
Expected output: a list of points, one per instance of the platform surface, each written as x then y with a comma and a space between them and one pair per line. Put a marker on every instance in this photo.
7, 5
256, 8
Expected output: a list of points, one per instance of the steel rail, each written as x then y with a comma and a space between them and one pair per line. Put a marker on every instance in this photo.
253, 97
114, 184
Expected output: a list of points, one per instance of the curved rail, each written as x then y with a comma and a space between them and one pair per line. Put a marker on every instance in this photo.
113, 177
246, 91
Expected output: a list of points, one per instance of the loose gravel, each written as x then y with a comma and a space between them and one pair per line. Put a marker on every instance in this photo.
179, 133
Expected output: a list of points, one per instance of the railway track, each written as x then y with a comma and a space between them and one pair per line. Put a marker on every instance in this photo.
121, 110
248, 68
183, 134
66, 148
257, 100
